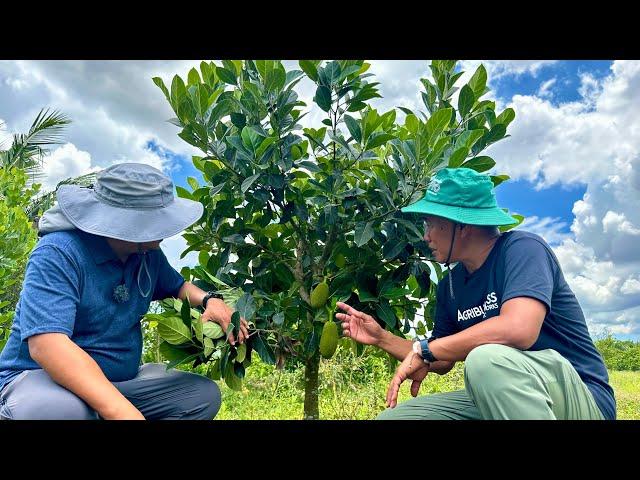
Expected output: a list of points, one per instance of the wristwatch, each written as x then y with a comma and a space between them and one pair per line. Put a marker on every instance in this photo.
421, 348
208, 296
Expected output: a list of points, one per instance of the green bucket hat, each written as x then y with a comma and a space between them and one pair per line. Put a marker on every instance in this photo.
464, 196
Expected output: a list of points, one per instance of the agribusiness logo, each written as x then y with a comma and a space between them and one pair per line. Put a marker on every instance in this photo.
480, 311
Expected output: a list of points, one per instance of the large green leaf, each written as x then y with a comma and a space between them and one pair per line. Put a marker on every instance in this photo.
208, 346
247, 182
354, 128
174, 331
438, 122
506, 117
478, 81
226, 76
263, 348
310, 68
480, 164
363, 233
323, 98
385, 313
465, 100
212, 330
246, 305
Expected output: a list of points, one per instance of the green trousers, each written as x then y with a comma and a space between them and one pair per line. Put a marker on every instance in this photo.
503, 383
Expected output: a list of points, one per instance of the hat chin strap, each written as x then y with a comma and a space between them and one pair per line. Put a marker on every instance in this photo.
446, 263
143, 265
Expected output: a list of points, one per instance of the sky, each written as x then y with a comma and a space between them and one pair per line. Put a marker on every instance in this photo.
573, 155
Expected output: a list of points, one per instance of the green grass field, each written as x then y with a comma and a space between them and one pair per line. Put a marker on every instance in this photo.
354, 388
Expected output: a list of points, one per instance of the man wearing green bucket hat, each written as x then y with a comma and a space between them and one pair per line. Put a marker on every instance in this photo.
505, 310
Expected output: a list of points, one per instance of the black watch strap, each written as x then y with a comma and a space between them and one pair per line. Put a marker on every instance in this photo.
209, 296
426, 351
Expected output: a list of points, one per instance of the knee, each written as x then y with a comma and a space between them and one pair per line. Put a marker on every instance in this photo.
208, 398
481, 360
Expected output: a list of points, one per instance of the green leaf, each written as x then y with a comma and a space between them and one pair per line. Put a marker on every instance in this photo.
506, 117
498, 179
497, 132
212, 330
323, 98
194, 77
238, 119
246, 305
276, 78
208, 346
197, 328
158, 81
241, 353
251, 138
378, 139
226, 76
465, 100
247, 182
235, 324
178, 91
354, 128
458, 156
363, 233
480, 164
309, 67
385, 312
411, 123
438, 122
173, 330
171, 353
185, 314
333, 71
468, 138
264, 349
478, 81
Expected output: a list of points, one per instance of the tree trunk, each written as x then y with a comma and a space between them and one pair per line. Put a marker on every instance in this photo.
311, 411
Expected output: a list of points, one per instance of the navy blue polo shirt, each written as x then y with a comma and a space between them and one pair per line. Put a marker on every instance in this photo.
68, 288
522, 264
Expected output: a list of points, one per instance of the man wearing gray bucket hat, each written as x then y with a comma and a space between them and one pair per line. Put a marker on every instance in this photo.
505, 309
75, 347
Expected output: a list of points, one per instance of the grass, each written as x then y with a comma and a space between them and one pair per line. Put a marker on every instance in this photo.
354, 388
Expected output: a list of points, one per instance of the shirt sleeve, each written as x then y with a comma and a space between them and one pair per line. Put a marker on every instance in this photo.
169, 280
50, 294
529, 271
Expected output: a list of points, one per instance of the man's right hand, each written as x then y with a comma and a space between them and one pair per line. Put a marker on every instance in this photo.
358, 325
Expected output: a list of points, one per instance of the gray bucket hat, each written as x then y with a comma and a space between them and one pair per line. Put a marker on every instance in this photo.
133, 202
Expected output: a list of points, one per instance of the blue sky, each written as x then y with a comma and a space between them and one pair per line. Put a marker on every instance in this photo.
573, 154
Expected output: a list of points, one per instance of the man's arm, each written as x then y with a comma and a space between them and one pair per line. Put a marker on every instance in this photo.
401, 347
518, 326
70, 366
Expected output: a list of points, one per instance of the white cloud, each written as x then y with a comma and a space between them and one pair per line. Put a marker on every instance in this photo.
65, 162
545, 88
501, 68
551, 229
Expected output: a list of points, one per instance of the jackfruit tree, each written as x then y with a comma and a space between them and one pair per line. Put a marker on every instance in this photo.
298, 216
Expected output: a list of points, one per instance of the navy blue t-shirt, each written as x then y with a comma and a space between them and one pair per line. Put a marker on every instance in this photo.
68, 288
522, 264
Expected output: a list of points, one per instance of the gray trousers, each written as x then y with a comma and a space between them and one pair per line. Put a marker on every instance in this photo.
158, 394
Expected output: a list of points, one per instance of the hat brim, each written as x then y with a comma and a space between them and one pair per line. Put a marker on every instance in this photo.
83, 209
492, 216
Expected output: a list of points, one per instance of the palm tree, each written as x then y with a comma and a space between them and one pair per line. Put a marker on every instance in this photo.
28, 150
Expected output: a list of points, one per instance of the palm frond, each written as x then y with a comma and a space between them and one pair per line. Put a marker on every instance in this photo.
27, 150
45, 201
